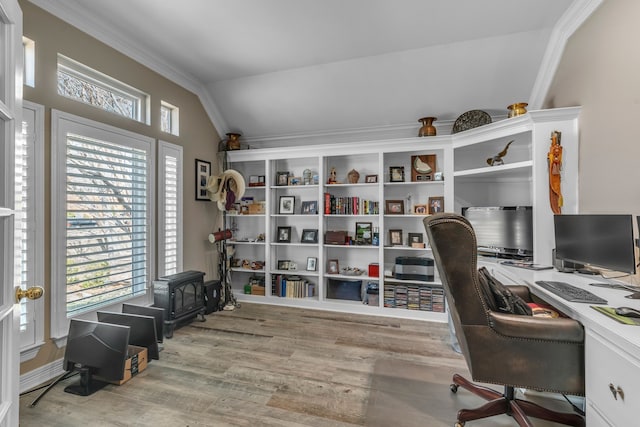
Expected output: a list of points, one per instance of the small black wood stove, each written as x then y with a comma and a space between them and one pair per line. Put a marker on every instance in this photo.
182, 297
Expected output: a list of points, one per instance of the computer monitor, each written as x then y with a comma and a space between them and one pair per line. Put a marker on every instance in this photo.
156, 312
600, 241
95, 348
502, 231
143, 329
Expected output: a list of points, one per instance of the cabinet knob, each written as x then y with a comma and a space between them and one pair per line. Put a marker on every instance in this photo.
616, 391
613, 390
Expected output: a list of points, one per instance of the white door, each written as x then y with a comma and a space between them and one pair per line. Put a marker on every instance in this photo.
10, 109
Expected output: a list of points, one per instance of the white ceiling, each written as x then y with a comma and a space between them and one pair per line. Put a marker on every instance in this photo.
285, 67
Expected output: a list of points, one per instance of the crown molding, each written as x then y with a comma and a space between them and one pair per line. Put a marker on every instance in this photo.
568, 23
95, 28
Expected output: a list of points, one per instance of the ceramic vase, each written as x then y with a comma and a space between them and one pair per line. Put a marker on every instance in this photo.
427, 129
517, 109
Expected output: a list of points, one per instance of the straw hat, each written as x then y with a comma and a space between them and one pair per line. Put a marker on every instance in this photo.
226, 188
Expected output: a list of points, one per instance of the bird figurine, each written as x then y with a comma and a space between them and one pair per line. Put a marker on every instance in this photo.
497, 159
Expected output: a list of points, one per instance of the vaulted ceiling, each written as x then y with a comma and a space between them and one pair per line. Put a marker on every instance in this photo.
270, 68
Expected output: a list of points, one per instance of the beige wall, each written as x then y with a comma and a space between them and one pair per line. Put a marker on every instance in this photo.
198, 137
600, 70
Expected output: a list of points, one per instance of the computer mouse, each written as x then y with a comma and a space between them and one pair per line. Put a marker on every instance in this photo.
628, 312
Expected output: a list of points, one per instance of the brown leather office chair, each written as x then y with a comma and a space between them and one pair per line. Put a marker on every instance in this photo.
501, 348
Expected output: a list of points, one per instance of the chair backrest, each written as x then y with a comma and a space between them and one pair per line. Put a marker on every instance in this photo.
454, 248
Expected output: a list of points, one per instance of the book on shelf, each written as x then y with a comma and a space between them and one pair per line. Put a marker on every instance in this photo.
348, 205
291, 286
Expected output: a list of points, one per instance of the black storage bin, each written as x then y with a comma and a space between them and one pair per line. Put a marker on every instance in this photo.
212, 291
345, 289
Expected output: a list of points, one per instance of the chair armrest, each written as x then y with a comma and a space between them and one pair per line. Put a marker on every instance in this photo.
528, 327
522, 291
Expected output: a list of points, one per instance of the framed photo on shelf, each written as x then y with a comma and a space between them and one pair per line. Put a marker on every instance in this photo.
203, 172
287, 205
395, 237
420, 209
309, 207
309, 236
283, 264
364, 233
332, 266
415, 238
436, 204
282, 178
284, 234
371, 178
396, 173
394, 207
312, 263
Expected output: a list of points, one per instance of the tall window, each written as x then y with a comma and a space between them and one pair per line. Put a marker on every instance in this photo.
101, 215
169, 209
30, 225
84, 84
169, 118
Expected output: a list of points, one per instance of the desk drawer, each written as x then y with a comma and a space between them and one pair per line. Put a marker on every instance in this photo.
606, 368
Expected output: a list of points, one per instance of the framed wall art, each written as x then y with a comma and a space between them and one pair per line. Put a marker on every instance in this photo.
203, 172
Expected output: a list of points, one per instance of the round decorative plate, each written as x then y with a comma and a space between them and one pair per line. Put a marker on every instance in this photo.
471, 119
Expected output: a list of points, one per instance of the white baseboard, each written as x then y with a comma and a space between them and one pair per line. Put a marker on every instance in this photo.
41, 375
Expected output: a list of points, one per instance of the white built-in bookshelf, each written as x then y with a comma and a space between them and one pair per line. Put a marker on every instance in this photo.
284, 236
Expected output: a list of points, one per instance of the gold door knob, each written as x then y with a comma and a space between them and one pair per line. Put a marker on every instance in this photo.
33, 292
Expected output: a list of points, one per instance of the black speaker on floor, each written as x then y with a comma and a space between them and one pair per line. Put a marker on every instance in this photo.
212, 290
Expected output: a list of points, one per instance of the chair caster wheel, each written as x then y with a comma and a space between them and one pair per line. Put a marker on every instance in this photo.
459, 425
454, 389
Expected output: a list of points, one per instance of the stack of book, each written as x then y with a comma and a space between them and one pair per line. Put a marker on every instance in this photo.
287, 286
338, 205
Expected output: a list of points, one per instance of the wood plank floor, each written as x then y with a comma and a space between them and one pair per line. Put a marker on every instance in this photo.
258, 365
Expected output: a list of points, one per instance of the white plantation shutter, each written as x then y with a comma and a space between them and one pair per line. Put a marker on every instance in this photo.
170, 209
24, 224
106, 222
102, 215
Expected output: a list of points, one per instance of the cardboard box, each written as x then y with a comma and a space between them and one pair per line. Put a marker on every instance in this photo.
257, 290
137, 360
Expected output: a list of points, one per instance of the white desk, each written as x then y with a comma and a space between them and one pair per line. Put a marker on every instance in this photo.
612, 350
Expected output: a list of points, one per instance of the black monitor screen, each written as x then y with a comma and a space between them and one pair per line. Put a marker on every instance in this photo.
502, 230
143, 329
156, 312
101, 347
603, 241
